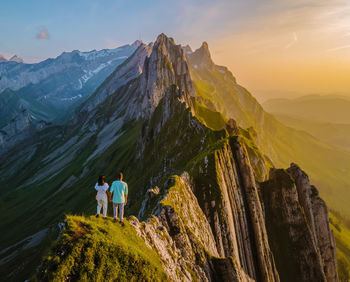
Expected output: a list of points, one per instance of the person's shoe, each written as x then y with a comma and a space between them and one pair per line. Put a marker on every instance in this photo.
114, 220
97, 215
105, 217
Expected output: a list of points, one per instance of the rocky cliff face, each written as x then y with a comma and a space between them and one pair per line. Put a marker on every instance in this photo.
23, 126
298, 227
316, 213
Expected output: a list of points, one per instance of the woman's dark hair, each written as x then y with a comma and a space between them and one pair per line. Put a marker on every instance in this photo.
101, 180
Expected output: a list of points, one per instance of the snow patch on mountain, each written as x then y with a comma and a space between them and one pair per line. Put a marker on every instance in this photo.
90, 73
72, 98
91, 55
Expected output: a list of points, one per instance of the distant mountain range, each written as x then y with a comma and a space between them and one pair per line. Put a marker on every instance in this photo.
325, 117
35, 95
328, 108
14, 58
334, 134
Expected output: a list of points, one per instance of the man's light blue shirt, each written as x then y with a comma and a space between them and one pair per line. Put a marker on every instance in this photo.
119, 190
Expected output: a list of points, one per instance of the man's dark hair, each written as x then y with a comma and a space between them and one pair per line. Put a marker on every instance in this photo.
101, 180
120, 175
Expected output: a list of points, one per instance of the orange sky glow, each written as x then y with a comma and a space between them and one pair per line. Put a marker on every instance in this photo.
291, 52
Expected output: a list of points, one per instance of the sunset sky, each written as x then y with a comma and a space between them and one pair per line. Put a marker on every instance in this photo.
284, 48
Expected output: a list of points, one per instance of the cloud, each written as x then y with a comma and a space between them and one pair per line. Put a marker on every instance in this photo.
111, 43
339, 48
43, 34
292, 42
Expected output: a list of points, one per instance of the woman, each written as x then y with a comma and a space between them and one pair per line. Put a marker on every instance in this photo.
102, 189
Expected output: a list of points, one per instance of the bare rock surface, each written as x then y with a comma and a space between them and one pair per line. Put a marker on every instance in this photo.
298, 227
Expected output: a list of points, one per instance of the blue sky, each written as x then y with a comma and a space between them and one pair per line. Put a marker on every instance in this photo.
93, 24
273, 47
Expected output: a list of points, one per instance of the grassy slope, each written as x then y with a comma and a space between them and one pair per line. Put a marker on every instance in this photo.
342, 238
92, 249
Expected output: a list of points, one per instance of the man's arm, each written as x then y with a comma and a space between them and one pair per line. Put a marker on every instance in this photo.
110, 192
126, 193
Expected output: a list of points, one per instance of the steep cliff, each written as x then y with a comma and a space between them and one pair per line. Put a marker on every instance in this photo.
298, 227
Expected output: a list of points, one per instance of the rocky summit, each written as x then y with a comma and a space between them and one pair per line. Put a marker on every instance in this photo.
205, 203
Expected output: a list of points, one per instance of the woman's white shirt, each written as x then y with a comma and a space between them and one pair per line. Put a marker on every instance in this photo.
101, 191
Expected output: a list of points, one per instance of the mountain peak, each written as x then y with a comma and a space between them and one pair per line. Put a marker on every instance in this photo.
205, 46
3, 59
136, 43
201, 56
187, 49
17, 59
162, 38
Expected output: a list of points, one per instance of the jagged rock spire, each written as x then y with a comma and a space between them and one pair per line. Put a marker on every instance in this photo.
201, 57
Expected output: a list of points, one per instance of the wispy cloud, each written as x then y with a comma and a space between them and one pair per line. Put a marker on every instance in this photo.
292, 42
43, 34
339, 48
111, 43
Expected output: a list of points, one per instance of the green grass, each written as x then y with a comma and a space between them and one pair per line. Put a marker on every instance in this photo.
93, 249
212, 119
342, 238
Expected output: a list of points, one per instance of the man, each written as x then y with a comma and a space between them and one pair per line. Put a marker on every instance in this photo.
119, 190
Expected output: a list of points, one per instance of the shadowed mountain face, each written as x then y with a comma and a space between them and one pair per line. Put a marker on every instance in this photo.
174, 123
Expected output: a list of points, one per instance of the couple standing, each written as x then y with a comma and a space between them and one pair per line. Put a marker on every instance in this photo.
118, 194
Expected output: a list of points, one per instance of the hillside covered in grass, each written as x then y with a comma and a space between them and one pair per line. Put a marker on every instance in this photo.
93, 249
341, 230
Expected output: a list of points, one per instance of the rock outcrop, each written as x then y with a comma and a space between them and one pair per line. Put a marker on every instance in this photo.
298, 227
165, 66
316, 213
180, 233
23, 126
229, 198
